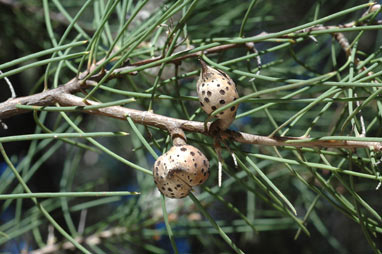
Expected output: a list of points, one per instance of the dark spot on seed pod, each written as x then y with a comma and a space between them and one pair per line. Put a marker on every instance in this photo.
158, 162
190, 180
222, 92
205, 173
209, 93
177, 155
163, 188
218, 85
213, 108
182, 194
234, 98
199, 153
233, 108
226, 88
155, 182
161, 177
203, 85
183, 149
222, 101
196, 165
169, 189
201, 104
204, 162
229, 83
192, 153
200, 181
206, 99
202, 170
203, 92
178, 185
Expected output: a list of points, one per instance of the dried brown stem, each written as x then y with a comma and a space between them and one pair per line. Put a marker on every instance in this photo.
248, 45
180, 58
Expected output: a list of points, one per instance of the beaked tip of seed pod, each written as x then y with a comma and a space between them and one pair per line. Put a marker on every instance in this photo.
204, 65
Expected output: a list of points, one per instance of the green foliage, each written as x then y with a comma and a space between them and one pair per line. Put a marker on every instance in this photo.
82, 175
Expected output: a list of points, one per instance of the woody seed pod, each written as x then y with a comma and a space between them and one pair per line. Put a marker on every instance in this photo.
216, 89
179, 169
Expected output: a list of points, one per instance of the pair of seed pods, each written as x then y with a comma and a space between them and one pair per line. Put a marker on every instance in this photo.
184, 166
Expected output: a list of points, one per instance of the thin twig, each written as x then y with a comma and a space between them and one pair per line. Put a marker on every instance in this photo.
237, 45
82, 222
363, 128
251, 47
13, 94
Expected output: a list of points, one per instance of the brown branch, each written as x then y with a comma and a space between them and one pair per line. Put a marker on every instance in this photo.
60, 95
249, 45
164, 122
49, 97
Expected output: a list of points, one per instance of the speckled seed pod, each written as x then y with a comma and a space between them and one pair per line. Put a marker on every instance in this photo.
179, 169
216, 89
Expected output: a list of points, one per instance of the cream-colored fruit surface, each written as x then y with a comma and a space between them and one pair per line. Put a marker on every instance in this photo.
179, 169
216, 89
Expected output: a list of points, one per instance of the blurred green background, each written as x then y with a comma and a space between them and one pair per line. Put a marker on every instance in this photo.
55, 166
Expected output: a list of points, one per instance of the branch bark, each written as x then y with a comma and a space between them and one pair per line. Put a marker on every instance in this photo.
62, 96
